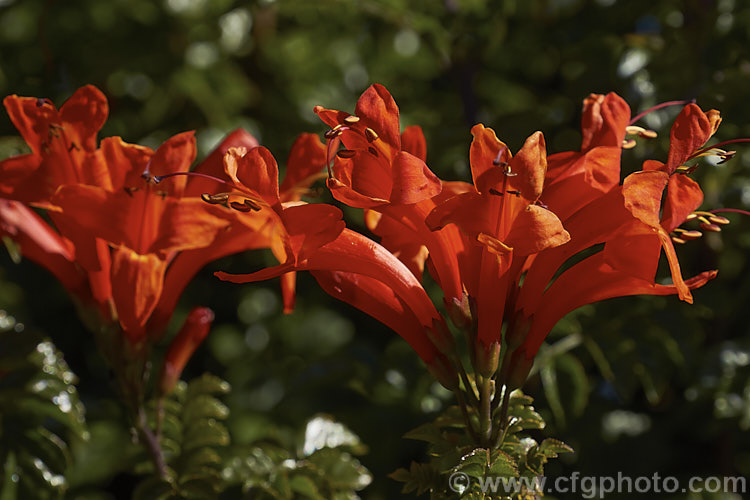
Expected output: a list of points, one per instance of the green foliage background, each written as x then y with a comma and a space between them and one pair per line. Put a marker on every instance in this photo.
636, 385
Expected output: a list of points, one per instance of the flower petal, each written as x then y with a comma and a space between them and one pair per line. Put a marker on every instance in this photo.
137, 281
304, 166
690, 131
413, 181
378, 300
378, 110
255, 169
413, 141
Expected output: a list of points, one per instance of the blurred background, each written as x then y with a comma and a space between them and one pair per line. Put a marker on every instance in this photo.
636, 385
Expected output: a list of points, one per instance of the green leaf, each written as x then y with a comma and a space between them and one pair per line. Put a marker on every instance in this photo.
153, 488
205, 432
305, 486
420, 478
203, 406
503, 465
474, 463
429, 432
207, 384
551, 447
341, 470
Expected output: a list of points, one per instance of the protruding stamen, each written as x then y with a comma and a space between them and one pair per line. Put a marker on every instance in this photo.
716, 149
215, 199
245, 206
346, 153
660, 106
718, 220
628, 144
351, 119
710, 227
640, 132
371, 135
678, 240
335, 132
688, 234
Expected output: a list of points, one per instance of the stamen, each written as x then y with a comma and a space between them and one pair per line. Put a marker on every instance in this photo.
716, 147
640, 132
660, 106
215, 199
707, 226
513, 191
351, 119
495, 192
130, 190
677, 240
245, 206
346, 153
718, 220
371, 135
688, 234
373, 151
628, 144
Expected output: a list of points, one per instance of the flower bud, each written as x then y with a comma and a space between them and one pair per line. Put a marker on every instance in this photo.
441, 337
519, 369
444, 372
192, 333
487, 358
459, 311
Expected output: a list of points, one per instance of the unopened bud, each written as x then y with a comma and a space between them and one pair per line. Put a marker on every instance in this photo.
441, 337
444, 372
519, 370
517, 330
487, 358
459, 311
192, 333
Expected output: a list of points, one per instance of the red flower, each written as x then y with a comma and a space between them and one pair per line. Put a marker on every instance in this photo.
634, 221
190, 336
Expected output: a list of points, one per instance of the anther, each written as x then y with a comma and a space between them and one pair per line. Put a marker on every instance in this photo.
688, 235
346, 153
726, 156
215, 199
677, 240
628, 144
351, 119
245, 206
710, 227
513, 192
330, 134
507, 172
240, 207
130, 190
371, 135
495, 192
373, 151
718, 220
640, 132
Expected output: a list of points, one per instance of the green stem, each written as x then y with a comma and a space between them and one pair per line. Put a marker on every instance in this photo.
485, 410
502, 428
465, 413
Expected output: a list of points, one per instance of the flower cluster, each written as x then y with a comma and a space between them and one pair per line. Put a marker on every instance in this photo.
123, 244
531, 238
